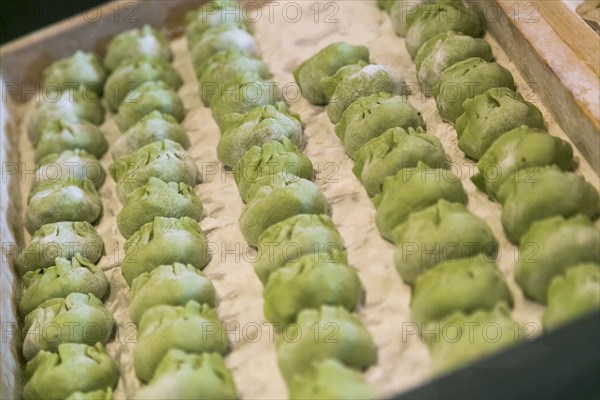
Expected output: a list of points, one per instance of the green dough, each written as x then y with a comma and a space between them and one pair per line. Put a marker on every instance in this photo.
221, 38
330, 379
257, 127
102, 394
165, 241
157, 199
462, 339
172, 285
411, 190
550, 247
274, 204
60, 239
148, 97
443, 232
444, 50
75, 368
573, 295
329, 332
77, 275
229, 66
233, 100
271, 158
370, 116
151, 128
136, 42
193, 328
132, 72
385, 5
310, 74
68, 165
78, 318
165, 160
80, 69
62, 201
329, 83
517, 149
490, 115
182, 375
70, 134
465, 80
371, 79
466, 285
531, 195
69, 105
393, 150
309, 283
288, 240
213, 14
403, 12
429, 20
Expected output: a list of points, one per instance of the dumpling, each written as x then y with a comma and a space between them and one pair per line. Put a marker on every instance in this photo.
550, 247
310, 74
465, 80
402, 13
165, 241
395, 149
411, 190
68, 165
136, 42
370, 116
80, 69
329, 83
213, 14
443, 232
70, 134
157, 199
490, 115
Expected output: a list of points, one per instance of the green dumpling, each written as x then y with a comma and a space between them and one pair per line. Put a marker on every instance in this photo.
223, 37
443, 232
465, 80
80, 69
259, 126
302, 234
411, 190
310, 74
371, 79
395, 149
329, 332
132, 72
172, 285
62, 201
429, 20
136, 42
330, 379
165, 241
229, 66
550, 247
71, 104
60, 239
165, 160
531, 195
213, 14
403, 13
193, 328
471, 337
70, 134
517, 149
69, 165
274, 204
444, 50
573, 295
77, 275
102, 394
151, 128
309, 283
74, 368
329, 83
370, 116
157, 199
78, 318
182, 375
490, 115
385, 5
466, 285
233, 100
271, 158
149, 96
